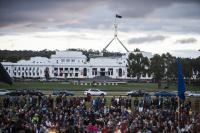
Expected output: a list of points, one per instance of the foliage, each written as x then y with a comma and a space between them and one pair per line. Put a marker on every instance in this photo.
138, 65
157, 67
14, 56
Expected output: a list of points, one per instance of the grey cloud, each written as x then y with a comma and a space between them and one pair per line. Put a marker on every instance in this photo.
185, 53
186, 41
142, 8
146, 39
58, 14
46, 11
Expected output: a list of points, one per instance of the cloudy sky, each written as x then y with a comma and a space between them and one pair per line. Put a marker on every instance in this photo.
156, 26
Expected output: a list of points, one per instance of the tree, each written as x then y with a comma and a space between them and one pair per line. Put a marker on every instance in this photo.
157, 67
170, 67
187, 68
196, 67
137, 50
137, 65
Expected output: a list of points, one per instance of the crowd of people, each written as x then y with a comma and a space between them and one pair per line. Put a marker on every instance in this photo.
45, 114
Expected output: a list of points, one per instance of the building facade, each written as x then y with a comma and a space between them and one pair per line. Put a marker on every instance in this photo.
71, 64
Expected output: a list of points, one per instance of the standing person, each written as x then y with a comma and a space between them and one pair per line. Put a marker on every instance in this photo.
141, 104
136, 102
50, 99
105, 129
117, 129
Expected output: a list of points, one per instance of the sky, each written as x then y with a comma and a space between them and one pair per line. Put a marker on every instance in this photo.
156, 26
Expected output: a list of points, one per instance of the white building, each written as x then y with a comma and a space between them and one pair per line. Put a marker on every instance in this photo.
71, 64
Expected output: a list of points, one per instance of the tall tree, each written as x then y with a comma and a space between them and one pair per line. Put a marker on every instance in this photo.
137, 65
170, 67
157, 67
187, 68
196, 67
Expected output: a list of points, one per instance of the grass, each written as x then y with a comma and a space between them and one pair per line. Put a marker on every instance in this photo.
69, 86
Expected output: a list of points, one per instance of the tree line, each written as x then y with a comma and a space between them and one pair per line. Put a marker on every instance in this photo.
163, 67
15, 55
160, 67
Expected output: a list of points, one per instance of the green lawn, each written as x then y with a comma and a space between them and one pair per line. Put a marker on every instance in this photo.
69, 86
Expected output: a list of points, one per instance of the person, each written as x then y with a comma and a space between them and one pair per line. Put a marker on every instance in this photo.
117, 129
105, 129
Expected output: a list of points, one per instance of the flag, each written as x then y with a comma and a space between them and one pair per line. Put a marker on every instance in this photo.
118, 16
181, 82
4, 76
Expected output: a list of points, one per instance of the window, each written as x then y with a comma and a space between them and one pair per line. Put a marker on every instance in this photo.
61, 74
66, 69
70, 74
76, 69
110, 71
76, 74
22, 68
120, 72
73, 60
62, 60
71, 69
84, 71
94, 71
67, 60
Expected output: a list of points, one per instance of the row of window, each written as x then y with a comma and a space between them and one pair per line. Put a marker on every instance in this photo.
69, 60
85, 71
66, 69
66, 75
102, 70
25, 68
25, 74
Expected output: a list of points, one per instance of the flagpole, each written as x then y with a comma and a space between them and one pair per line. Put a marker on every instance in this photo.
115, 26
181, 88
